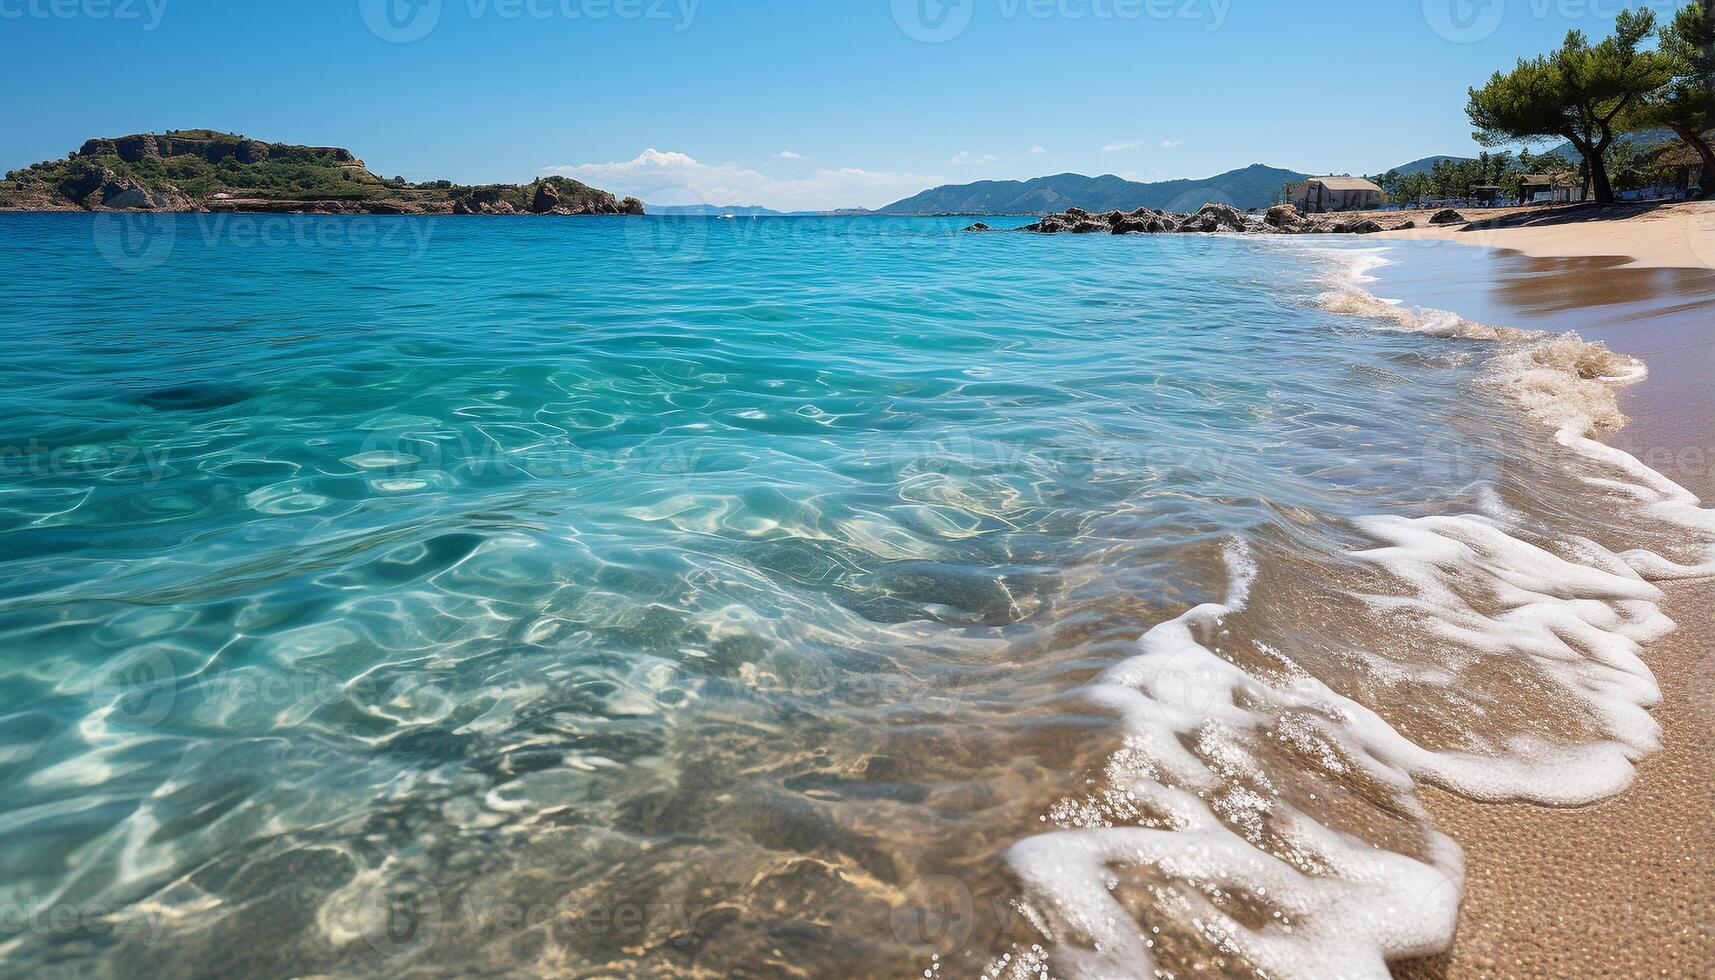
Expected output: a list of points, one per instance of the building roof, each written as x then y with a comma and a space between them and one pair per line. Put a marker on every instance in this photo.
1346, 184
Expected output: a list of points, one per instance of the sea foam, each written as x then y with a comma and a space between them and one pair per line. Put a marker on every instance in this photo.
1299, 898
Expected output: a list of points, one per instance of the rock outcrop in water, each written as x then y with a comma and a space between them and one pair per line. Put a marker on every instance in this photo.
203, 170
1282, 219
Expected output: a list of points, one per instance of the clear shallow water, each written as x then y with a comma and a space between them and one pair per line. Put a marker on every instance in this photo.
391, 596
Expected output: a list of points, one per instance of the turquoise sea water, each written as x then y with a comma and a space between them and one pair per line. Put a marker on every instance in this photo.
597, 596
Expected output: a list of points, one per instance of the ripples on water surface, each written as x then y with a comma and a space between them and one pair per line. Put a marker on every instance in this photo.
392, 596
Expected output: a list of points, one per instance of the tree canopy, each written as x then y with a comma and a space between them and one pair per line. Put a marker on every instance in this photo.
1686, 103
1582, 93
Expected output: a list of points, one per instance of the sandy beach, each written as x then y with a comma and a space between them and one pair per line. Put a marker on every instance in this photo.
1619, 888
1655, 236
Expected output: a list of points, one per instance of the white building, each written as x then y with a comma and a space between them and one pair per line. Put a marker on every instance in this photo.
1322, 194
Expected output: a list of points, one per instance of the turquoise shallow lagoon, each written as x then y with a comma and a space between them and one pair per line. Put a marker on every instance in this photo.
393, 596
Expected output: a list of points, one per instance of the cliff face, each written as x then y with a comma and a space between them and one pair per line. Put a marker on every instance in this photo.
203, 170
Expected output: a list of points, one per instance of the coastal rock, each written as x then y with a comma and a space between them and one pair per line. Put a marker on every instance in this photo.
1214, 218
80, 184
127, 195
1446, 216
134, 148
631, 206
1368, 226
545, 199
1210, 218
979, 226
1284, 217
251, 151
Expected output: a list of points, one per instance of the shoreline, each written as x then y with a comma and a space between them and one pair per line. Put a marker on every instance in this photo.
1616, 887
1678, 235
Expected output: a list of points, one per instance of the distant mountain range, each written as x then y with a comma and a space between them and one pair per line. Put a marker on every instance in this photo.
1641, 139
1255, 186
1252, 187
716, 210
1426, 165
1568, 152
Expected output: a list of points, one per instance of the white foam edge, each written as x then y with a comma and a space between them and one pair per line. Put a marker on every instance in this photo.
1583, 626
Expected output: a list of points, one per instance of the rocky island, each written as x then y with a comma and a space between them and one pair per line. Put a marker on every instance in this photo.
204, 170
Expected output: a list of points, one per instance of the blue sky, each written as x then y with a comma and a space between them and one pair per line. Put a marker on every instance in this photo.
787, 103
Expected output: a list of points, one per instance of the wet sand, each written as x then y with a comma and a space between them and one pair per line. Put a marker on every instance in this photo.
1664, 316
1621, 888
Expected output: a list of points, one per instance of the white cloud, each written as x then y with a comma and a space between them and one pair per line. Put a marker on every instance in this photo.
677, 178
1038, 150
965, 158
788, 155
1171, 144
1118, 145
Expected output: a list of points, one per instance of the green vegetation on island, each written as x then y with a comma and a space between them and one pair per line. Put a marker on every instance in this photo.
203, 170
